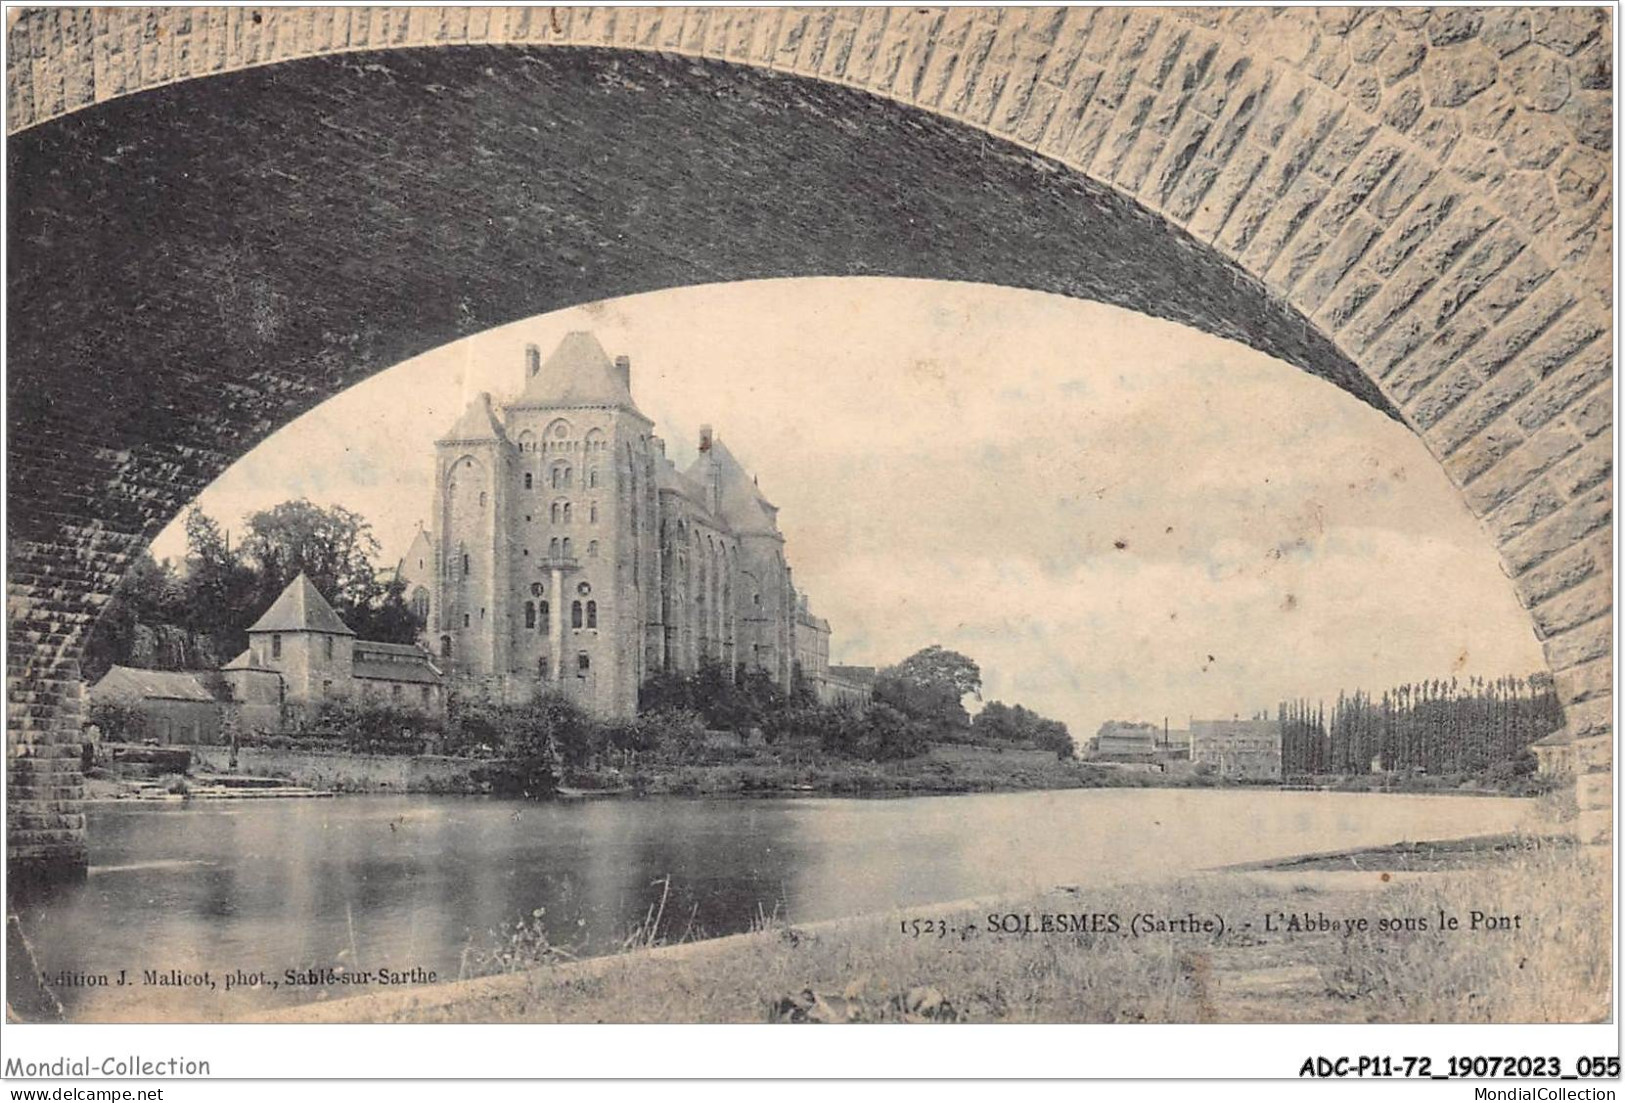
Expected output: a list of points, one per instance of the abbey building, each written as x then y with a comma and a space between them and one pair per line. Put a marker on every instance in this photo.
567, 553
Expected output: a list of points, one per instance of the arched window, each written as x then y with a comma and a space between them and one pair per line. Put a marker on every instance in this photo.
533, 360
592, 477
482, 497
592, 513
553, 548
530, 614
561, 476
465, 564
558, 511
567, 552
567, 513
465, 620
592, 549
543, 613
528, 481
592, 614
445, 647
328, 640
575, 614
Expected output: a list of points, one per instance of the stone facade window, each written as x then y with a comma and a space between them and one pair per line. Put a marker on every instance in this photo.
592, 549
445, 647
276, 646
583, 664
530, 614
328, 640
575, 614
592, 614
528, 481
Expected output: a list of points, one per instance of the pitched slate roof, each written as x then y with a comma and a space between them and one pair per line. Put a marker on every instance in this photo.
405, 650
169, 685
388, 671
301, 608
744, 508
578, 373
245, 661
477, 422
672, 481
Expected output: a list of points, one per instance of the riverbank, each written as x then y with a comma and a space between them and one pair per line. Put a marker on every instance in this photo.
1283, 943
945, 768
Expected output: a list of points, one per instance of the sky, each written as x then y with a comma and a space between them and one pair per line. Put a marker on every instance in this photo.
1117, 517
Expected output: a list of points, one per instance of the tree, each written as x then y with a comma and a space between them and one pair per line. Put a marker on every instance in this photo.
747, 699
150, 593
936, 666
333, 547
930, 685
119, 719
1001, 723
220, 589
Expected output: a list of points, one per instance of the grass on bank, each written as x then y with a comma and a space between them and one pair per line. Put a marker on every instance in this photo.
1554, 969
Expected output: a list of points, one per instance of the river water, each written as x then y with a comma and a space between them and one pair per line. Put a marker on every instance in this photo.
427, 883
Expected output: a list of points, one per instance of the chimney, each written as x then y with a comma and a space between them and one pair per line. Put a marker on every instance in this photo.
623, 371
533, 361
705, 438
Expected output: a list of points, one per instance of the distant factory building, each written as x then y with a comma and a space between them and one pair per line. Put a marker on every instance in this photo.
1244, 750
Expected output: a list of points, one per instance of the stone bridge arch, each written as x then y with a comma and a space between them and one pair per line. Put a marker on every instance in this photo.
1412, 203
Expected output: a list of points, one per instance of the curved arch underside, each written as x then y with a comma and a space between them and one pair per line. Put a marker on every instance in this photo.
194, 265
261, 240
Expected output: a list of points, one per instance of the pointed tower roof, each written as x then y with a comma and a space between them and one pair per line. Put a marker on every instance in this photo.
301, 608
743, 506
580, 373
478, 422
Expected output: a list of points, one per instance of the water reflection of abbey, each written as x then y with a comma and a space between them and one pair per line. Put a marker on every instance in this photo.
567, 553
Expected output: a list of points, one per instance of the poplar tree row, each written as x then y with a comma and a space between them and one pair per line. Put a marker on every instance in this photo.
1473, 727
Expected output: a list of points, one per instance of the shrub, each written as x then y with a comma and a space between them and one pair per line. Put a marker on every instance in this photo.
120, 720
369, 728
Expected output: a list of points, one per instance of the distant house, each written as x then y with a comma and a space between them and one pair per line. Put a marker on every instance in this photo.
1557, 754
317, 658
300, 653
398, 674
1124, 741
173, 706
812, 649
1246, 750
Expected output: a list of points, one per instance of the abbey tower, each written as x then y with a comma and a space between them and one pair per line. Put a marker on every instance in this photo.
570, 555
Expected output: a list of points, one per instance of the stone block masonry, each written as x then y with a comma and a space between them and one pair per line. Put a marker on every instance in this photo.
1413, 202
